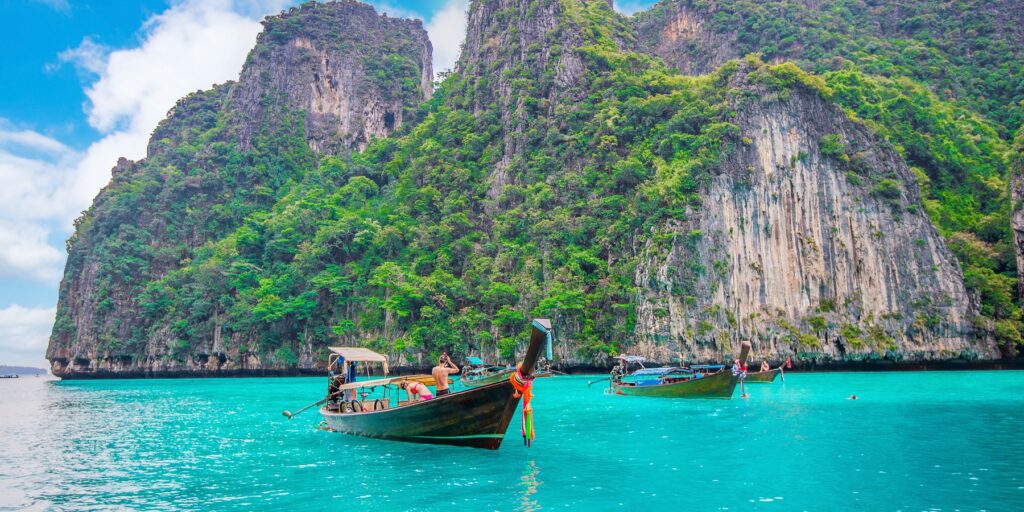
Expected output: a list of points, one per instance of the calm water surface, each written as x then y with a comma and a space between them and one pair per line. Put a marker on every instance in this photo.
914, 441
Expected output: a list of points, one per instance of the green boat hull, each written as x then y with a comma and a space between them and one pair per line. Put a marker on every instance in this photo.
763, 377
718, 385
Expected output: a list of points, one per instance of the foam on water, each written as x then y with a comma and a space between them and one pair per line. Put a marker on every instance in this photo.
913, 441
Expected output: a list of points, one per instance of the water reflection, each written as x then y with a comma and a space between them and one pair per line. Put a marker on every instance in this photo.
528, 483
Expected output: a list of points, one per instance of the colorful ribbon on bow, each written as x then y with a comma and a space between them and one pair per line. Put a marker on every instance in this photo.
524, 388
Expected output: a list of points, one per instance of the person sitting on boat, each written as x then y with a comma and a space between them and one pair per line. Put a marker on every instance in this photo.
333, 393
444, 368
764, 366
416, 389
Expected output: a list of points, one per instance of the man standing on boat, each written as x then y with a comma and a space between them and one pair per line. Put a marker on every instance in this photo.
444, 368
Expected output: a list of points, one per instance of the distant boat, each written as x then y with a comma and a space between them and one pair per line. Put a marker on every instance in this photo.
479, 374
694, 381
9, 376
768, 376
765, 377
477, 417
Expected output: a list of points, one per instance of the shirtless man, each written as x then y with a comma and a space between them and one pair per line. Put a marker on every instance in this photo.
444, 368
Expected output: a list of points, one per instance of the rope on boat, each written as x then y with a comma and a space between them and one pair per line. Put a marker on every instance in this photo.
524, 388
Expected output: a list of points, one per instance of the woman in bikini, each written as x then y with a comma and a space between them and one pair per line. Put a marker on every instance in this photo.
416, 389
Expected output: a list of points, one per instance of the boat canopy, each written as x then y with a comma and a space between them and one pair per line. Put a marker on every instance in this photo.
362, 355
475, 360
707, 366
659, 371
631, 359
427, 380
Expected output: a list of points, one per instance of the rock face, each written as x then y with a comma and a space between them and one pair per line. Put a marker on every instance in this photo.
682, 36
334, 74
509, 42
355, 74
794, 239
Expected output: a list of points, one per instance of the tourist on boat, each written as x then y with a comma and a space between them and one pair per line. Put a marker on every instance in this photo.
333, 393
444, 368
764, 366
739, 368
416, 390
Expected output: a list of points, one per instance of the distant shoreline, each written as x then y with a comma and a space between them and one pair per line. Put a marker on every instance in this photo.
22, 371
847, 366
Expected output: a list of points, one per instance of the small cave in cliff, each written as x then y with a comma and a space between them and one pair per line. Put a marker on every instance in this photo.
389, 121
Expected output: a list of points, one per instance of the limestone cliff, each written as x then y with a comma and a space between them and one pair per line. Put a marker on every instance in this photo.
683, 36
333, 75
519, 56
355, 74
813, 243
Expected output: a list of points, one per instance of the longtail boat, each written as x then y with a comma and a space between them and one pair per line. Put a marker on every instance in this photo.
477, 417
478, 374
765, 377
769, 376
694, 381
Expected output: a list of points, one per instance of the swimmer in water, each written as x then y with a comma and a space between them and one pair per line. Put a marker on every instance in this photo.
851, 397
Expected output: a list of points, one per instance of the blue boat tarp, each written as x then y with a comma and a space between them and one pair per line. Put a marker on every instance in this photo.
475, 361
658, 371
713, 367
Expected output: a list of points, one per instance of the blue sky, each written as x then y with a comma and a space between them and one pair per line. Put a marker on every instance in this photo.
85, 82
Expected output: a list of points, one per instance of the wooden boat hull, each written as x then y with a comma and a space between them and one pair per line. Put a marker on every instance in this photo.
718, 385
488, 379
762, 377
475, 418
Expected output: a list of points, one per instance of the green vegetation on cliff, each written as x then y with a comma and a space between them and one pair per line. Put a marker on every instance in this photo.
529, 185
407, 240
942, 81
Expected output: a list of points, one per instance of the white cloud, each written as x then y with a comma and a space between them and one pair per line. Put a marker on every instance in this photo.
190, 46
447, 29
89, 57
24, 333
24, 251
44, 184
33, 169
12, 139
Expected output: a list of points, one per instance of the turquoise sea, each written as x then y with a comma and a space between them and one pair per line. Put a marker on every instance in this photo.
913, 441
